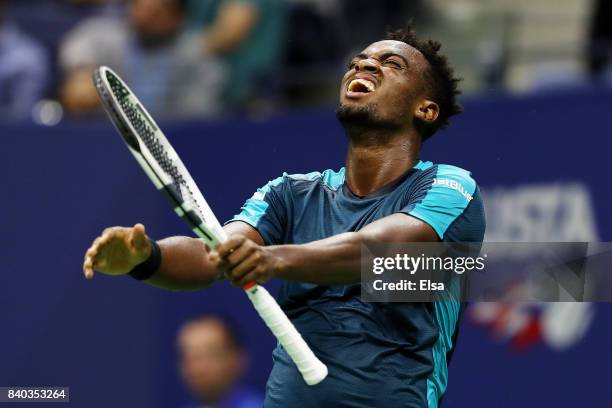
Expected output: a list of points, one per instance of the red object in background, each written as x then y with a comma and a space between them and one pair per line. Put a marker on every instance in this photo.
523, 325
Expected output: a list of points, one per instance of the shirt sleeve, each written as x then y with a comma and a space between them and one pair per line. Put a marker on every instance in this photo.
99, 40
443, 201
266, 211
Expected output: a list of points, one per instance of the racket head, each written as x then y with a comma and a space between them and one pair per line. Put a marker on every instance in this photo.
156, 155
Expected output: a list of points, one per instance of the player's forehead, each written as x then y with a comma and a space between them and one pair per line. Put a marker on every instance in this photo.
389, 45
400, 48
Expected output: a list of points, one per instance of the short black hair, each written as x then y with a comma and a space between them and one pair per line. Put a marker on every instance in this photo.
441, 80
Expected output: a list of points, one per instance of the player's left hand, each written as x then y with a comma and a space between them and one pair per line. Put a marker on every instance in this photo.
243, 261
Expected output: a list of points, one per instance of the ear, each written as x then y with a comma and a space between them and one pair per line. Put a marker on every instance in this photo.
427, 111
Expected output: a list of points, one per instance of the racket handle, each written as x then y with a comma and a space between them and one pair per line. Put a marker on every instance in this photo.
312, 369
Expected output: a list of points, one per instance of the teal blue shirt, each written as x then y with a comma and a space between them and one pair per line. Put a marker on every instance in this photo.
378, 354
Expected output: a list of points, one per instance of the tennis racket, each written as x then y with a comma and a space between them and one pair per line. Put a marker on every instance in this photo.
166, 170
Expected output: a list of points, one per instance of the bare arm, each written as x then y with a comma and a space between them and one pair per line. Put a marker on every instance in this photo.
185, 261
186, 264
231, 28
334, 260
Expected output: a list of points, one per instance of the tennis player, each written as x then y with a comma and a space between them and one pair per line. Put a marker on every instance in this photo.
308, 230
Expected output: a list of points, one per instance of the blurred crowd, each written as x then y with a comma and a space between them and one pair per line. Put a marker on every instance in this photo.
212, 362
206, 58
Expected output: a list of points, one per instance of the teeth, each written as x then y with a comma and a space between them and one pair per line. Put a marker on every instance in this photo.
354, 84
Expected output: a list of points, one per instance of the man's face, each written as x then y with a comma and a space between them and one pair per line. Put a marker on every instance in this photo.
155, 20
383, 85
209, 362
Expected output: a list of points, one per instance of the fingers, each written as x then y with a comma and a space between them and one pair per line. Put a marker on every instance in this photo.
241, 253
88, 268
90, 262
90, 254
243, 261
214, 258
250, 277
237, 273
96, 254
237, 256
230, 245
138, 238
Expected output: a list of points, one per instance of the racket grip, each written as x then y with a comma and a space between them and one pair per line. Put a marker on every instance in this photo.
312, 369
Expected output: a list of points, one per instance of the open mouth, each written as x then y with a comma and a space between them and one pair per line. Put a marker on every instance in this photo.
361, 86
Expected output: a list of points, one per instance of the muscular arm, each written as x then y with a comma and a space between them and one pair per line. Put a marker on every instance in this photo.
231, 27
337, 260
185, 261
334, 260
187, 264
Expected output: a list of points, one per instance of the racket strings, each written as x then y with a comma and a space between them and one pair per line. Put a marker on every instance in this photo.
155, 147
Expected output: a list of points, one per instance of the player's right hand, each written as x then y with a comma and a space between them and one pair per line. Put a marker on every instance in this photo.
117, 251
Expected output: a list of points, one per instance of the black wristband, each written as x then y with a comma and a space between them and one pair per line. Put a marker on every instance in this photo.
146, 269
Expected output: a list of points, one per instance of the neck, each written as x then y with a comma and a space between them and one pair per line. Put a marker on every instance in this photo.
377, 157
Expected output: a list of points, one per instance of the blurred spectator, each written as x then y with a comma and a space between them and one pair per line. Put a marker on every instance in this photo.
381, 16
600, 41
248, 36
100, 7
323, 33
48, 21
315, 34
153, 51
315, 48
91, 2
24, 70
211, 364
